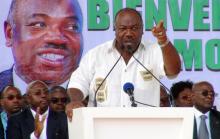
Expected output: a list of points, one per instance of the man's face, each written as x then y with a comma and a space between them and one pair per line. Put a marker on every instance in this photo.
11, 100
184, 98
46, 39
37, 96
204, 96
128, 30
58, 100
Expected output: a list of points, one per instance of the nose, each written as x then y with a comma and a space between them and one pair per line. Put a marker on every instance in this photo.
128, 32
55, 35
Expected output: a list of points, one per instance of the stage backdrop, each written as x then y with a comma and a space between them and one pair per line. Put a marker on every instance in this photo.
193, 26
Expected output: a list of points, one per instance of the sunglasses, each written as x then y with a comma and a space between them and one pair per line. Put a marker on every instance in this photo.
205, 93
57, 100
12, 97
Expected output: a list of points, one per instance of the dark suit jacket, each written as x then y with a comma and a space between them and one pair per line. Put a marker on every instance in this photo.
214, 125
6, 78
20, 126
1, 130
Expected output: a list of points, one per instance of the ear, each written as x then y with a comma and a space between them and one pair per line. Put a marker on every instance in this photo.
8, 33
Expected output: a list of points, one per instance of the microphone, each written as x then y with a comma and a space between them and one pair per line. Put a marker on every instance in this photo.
95, 100
171, 98
129, 88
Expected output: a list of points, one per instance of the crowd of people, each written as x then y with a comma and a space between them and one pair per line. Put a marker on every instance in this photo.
47, 44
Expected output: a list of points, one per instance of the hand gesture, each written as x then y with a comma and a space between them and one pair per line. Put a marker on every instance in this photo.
39, 124
160, 33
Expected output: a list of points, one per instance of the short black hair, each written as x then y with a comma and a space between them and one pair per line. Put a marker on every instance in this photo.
179, 87
6, 88
128, 9
62, 89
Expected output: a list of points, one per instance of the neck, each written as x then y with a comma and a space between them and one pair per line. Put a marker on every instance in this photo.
203, 110
124, 53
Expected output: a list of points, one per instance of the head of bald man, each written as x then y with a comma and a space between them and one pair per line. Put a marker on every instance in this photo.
203, 96
37, 95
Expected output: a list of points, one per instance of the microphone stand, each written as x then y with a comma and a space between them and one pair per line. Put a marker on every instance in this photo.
95, 101
171, 96
133, 104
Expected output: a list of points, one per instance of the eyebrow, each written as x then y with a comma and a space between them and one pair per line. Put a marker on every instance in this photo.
74, 17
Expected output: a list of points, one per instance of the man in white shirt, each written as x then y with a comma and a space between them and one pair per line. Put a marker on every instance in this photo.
122, 55
203, 98
37, 121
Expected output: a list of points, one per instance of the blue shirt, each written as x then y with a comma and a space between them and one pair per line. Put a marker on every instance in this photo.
4, 119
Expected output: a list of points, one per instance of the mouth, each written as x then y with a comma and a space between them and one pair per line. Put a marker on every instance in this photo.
52, 57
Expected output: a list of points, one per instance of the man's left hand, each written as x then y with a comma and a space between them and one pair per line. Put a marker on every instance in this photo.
160, 33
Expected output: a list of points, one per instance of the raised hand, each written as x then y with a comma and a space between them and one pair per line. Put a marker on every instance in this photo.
160, 33
39, 124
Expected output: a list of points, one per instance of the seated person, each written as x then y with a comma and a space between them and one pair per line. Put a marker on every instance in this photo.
164, 97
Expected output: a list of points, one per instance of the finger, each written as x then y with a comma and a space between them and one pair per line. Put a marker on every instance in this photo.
43, 118
37, 114
160, 24
70, 115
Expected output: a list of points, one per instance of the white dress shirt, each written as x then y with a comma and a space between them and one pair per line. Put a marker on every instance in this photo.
96, 64
43, 134
197, 114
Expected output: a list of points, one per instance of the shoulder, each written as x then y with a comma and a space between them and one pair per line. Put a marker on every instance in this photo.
20, 115
57, 115
6, 78
215, 113
104, 47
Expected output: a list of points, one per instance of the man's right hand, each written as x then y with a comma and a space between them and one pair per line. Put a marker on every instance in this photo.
39, 124
72, 105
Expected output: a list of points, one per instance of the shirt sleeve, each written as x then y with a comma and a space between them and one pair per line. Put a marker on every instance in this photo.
81, 77
158, 61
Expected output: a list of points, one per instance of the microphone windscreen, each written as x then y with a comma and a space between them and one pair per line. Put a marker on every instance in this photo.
128, 87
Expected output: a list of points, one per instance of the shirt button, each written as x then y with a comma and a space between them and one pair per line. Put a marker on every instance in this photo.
125, 70
123, 105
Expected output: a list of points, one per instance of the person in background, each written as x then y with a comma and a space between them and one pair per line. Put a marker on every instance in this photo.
207, 120
106, 68
58, 98
164, 97
46, 40
182, 93
37, 121
11, 103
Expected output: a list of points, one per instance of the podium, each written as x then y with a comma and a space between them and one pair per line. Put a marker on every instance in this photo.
131, 123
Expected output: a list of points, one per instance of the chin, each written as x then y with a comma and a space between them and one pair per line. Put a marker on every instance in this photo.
52, 76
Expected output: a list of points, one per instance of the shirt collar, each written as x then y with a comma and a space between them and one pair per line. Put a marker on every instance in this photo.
199, 113
41, 115
18, 82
